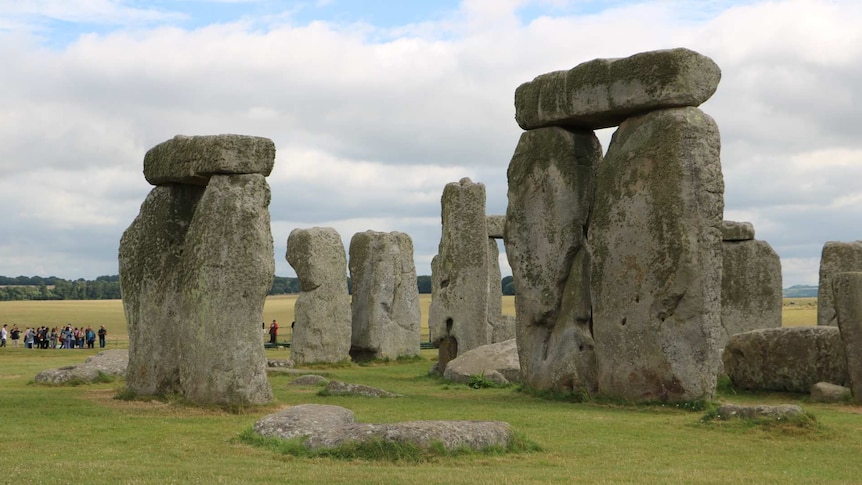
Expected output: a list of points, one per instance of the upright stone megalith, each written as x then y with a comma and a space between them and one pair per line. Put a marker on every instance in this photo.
322, 327
196, 265
837, 257
551, 188
656, 269
385, 301
847, 293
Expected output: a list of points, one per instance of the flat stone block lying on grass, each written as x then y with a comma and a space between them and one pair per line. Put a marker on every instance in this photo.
760, 411
280, 363
309, 380
332, 426
108, 362
826, 392
345, 388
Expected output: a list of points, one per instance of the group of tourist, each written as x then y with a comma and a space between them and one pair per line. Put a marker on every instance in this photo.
67, 337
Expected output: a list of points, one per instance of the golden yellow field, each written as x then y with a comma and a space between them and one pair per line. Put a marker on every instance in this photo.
797, 312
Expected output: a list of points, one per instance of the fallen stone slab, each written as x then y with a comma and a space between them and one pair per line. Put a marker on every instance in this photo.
109, 362
309, 380
192, 160
339, 388
760, 411
327, 426
604, 92
826, 392
294, 372
280, 363
496, 362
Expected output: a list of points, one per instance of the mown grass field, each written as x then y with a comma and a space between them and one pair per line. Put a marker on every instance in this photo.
57, 435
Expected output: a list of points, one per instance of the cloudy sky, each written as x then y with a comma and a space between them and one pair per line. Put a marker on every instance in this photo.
375, 105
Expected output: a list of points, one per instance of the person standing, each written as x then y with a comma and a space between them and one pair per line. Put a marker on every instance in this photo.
273, 332
90, 335
102, 333
52, 338
29, 337
16, 335
3, 334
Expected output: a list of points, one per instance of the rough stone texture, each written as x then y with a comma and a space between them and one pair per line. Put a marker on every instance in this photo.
759, 411
385, 304
500, 327
192, 160
499, 358
786, 359
847, 298
751, 291
461, 313
309, 380
227, 269
109, 362
837, 257
322, 310
338, 388
332, 426
604, 92
551, 186
151, 252
826, 392
737, 231
496, 226
280, 363
656, 258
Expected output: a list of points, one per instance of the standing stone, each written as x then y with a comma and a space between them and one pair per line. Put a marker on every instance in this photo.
604, 92
551, 186
837, 257
737, 231
322, 310
496, 226
385, 301
500, 327
458, 315
751, 293
228, 258
151, 251
655, 241
847, 292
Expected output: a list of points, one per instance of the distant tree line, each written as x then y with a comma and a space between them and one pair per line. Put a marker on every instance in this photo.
108, 287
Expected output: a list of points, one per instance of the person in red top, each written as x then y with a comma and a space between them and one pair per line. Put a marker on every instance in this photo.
273, 332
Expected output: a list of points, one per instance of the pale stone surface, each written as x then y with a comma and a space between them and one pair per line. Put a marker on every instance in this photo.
500, 327
227, 269
309, 380
788, 359
500, 357
193, 159
459, 311
332, 426
496, 225
604, 92
151, 252
827, 392
322, 310
837, 257
108, 362
385, 304
737, 231
339, 388
551, 186
759, 411
751, 290
847, 297
656, 258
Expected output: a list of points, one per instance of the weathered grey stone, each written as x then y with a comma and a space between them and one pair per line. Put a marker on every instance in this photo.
459, 315
496, 226
759, 411
280, 363
500, 327
751, 291
551, 186
109, 362
476, 435
303, 420
227, 269
656, 258
837, 257
339, 388
788, 359
498, 358
847, 298
193, 159
737, 231
385, 304
151, 253
309, 380
322, 310
826, 392
604, 92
